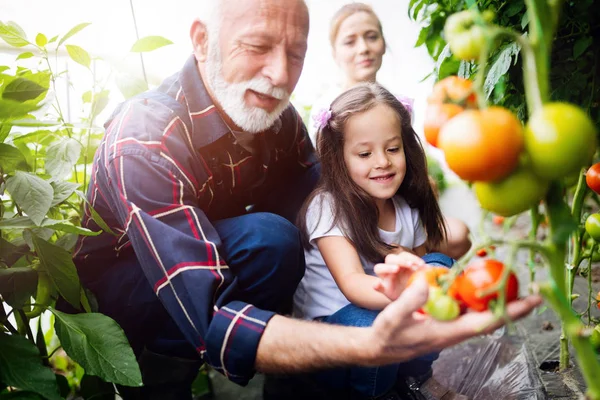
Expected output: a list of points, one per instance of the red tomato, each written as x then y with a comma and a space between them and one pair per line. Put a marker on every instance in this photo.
592, 177
480, 276
436, 116
481, 253
498, 219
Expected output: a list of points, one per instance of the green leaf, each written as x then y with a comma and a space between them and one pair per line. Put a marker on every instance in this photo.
54, 39
65, 226
96, 388
130, 85
581, 45
61, 156
73, 31
22, 89
86, 97
79, 55
41, 40
94, 214
17, 285
422, 36
32, 194
10, 252
99, 103
10, 109
20, 395
514, 8
99, 345
67, 241
11, 158
13, 34
33, 123
149, 43
500, 67
21, 367
4, 131
24, 55
62, 191
59, 265
524, 20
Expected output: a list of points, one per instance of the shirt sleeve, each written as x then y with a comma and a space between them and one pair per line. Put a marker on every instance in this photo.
419, 229
156, 201
319, 219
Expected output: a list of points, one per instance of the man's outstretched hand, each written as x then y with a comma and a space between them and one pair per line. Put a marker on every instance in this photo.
399, 333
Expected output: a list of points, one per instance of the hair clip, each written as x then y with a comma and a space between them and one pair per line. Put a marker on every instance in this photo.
321, 119
407, 102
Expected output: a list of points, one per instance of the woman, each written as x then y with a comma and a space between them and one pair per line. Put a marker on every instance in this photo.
358, 46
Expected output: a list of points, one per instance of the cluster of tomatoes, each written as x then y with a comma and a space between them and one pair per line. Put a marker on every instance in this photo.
510, 165
469, 290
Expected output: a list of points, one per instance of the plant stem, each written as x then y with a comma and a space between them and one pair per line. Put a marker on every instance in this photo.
575, 330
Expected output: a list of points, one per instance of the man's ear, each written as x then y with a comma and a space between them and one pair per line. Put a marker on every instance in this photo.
199, 36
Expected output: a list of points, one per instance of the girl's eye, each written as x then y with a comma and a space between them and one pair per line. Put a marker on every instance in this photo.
364, 155
394, 149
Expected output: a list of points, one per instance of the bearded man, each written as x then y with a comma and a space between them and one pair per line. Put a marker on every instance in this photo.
199, 179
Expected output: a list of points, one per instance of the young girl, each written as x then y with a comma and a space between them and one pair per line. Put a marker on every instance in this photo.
374, 198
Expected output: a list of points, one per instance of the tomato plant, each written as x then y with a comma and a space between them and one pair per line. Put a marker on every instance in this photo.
512, 195
592, 177
482, 145
480, 276
560, 139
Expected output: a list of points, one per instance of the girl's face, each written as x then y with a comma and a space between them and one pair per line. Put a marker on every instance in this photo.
359, 47
374, 152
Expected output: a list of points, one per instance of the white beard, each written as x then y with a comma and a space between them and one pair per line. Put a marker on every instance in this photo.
230, 96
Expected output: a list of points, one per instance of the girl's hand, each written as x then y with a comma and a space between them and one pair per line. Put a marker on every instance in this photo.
396, 271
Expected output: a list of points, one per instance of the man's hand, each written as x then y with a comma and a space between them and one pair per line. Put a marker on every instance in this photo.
396, 271
400, 334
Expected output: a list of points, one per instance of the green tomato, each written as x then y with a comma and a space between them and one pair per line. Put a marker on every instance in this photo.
441, 306
560, 139
595, 338
592, 226
512, 195
465, 38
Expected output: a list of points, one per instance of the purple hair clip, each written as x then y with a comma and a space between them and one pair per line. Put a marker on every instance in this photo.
407, 102
322, 118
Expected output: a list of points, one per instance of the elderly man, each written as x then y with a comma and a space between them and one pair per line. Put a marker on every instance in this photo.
199, 180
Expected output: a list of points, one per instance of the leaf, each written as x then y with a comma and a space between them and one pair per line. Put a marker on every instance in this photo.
525, 20
79, 55
62, 191
61, 156
86, 97
99, 345
67, 241
65, 226
422, 36
41, 40
17, 285
10, 252
149, 43
96, 388
94, 214
21, 367
33, 123
500, 67
130, 85
20, 395
31, 193
4, 131
10, 109
59, 265
514, 8
24, 55
99, 103
11, 158
13, 34
22, 89
581, 45
73, 31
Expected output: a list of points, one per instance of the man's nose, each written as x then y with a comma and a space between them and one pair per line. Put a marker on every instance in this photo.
276, 69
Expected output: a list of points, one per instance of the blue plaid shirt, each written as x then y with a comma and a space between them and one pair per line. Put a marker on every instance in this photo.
165, 168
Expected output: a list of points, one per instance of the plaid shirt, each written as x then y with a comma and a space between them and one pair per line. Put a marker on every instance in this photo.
166, 167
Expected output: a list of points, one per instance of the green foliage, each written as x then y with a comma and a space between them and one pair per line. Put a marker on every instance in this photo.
45, 163
575, 73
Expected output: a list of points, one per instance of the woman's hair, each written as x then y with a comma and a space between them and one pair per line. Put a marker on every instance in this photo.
346, 11
352, 206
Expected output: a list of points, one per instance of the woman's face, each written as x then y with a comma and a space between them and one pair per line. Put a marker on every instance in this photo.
359, 48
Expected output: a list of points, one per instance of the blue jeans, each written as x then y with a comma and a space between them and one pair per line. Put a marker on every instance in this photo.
375, 381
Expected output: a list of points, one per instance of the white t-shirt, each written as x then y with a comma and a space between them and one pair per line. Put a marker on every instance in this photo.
317, 294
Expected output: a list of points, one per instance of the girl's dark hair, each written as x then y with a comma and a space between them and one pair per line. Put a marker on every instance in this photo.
352, 206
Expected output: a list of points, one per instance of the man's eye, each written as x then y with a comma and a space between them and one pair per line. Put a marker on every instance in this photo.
259, 48
364, 155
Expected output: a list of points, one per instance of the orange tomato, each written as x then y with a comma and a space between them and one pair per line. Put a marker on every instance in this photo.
436, 116
453, 90
482, 145
498, 219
